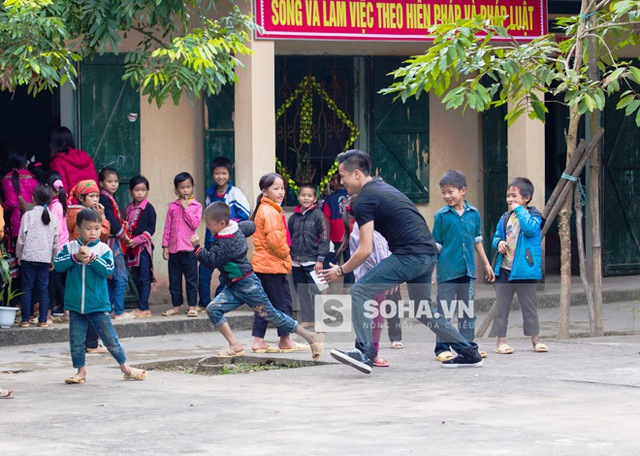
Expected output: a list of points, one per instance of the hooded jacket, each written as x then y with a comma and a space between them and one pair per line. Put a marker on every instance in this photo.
74, 166
527, 262
86, 287
228, 252
271, 250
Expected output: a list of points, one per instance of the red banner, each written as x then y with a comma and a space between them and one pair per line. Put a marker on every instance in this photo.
406, 20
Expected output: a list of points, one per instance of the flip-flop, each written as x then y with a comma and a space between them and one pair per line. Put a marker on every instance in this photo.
170, 312
504, 349
136, 374
192, 313
141, 315
316, 350
444, 356
540, 348
296, 348
229, 353
6, 393
74, 380
380, 362
483, 354
269, 349
397, 345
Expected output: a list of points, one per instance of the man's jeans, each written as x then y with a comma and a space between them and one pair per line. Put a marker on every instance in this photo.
461, 293
101, 321
416, 271
248, 291
117, 283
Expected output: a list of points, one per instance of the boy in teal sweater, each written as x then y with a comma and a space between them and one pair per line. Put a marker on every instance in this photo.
88, 262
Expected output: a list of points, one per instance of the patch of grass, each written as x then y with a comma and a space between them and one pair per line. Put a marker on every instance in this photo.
246, 368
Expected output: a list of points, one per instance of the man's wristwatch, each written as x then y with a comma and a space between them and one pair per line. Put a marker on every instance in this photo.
340, 272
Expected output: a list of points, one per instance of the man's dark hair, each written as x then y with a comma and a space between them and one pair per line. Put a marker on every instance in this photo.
221, 162
88, 215
524, 185
309, 186
218, 212
355, 159
454, 178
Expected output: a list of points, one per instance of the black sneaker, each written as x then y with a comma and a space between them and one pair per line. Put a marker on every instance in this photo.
354, 358
471, 358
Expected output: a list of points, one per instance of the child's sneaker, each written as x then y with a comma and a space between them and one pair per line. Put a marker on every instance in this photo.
354, 358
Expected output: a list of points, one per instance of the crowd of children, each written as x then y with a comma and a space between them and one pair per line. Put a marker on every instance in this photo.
82, 239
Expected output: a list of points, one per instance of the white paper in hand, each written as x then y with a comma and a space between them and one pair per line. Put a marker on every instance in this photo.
319, 283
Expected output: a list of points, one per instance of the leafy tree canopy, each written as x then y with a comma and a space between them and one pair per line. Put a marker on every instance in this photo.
470, 69
178, 47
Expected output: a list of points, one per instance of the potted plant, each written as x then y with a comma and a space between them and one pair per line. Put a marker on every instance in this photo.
7, 293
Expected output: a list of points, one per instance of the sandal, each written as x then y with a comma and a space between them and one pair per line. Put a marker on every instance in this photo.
171, 312
6, 393
136, 374
380, 362
75, 380
192, 313
316, 350
504, 349
58, 319
124, 316
397, 345
99, 350
540, 348
141, 314
444, 356
229, 353
296, 348
269, 349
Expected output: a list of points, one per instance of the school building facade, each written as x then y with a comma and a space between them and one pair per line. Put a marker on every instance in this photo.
302, 100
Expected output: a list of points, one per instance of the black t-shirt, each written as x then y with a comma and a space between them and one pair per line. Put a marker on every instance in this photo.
395, 217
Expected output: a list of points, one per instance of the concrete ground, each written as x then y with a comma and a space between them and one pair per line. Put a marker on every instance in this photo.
581, 398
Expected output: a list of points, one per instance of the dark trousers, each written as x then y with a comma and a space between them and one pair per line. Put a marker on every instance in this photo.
455, 296
306, 290
35, 276
505, 290
142, 276
277, 288
332, 258
204, 283
56, 289
183, 263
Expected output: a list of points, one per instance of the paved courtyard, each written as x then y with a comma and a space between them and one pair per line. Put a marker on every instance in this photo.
581, 398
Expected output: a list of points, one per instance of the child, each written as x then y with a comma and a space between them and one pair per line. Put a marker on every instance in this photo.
457, 230
519, 264
223, 191
88, 263
117, 238
141, 217
272, 262
228, 253
4, 393
333, 208
380, 252
73, 165
18, 186
58, 208
87, 194
183, 218
309, 230
36, 247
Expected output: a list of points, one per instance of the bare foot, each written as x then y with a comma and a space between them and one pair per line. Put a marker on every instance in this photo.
259, 344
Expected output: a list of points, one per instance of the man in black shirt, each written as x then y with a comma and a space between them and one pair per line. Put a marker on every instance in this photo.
384, 208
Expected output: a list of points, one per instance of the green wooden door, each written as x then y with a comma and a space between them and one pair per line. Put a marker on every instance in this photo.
109, 120
494, 151
110, 127
219, 131
399, 134
621, 206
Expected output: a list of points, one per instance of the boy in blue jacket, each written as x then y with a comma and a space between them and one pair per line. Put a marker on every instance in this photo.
88, 262
519, 265
228, 253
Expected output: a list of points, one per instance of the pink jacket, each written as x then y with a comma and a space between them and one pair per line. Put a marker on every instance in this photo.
63, 231
11, 204
180, 225
74, 166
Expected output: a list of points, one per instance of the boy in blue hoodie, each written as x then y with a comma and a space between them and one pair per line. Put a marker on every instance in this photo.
518, 268
232, 196
88, 262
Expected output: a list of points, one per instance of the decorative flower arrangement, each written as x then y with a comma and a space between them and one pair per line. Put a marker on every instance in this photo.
307, 88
